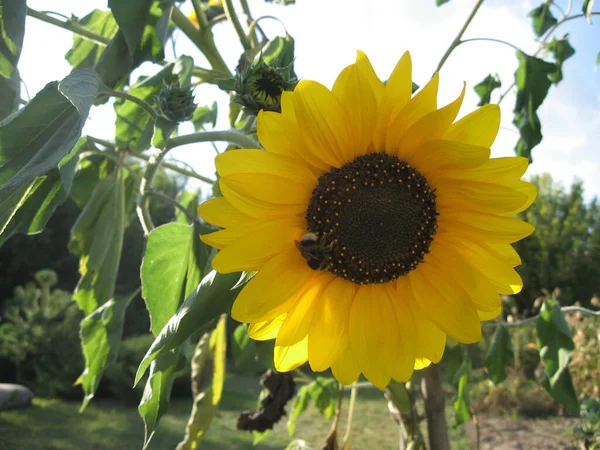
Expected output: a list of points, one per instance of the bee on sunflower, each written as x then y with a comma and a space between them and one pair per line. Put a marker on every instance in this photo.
377, 223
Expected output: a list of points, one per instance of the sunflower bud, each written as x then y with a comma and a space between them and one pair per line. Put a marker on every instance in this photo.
260, 85
176, 103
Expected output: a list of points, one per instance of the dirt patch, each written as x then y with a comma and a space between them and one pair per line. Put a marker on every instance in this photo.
501, 433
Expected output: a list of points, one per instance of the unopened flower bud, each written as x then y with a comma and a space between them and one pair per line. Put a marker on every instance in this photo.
176, 103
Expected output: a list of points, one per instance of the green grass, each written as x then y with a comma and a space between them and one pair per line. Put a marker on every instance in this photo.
109, 425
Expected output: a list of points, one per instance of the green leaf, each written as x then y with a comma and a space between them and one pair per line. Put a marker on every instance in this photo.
97, 237
205, 115
101, 334
89, 172
542, 18
42, 198
208, 375
131, 17
279, 52
10, 94
85, 53
587, 8
189, 200
213, 297
485, 88
299, 406
244, 352
174, 262
157, 392
35, 139
532, 82
163, 129
265, 353
451, 361
324, 393
183, 69
556, 346
461, 404
441, 2
398, 394
12, 32
500, 355
561, 50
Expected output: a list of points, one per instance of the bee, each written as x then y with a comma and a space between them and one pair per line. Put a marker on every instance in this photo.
314, 250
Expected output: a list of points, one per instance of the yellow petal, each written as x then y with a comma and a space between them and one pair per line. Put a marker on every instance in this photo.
263, 298
328, 335
346, 369
498, 170
504, 252
221, 213
441, 300
292, 357
490, 227
355, 94
527, 189
257, 245
403, 357
266, 330
269, 188
489, 315
366, 70
323, 122
440, 155
477, 128
421, 363
373, 331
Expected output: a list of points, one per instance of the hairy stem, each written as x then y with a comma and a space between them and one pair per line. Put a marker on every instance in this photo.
69, 25
353, 392
231, 136
235, 21
200, 16
132, 98
498, 41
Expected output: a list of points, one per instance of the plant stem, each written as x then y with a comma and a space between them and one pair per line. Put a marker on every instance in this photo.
230, 136
235, 21
533, 320
437, 427
353, 392
251, 34
142, 207
69, 25
458, 37
112, 157
175, 203
200, 16
499, 41
132, 98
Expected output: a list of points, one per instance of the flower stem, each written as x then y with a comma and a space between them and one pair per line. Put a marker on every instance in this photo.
132, 98
175, 203
235, 21
70, 25
353, 392
437, 427
115, 158
499, 41
458, 37
200, 16
251, 33
231, 136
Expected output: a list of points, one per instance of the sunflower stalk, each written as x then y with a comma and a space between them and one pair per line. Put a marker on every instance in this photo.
437, 427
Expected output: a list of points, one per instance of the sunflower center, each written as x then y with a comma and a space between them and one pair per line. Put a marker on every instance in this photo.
268, 87
374, 219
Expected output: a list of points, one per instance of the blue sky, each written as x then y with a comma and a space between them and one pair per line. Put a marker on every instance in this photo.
328, 33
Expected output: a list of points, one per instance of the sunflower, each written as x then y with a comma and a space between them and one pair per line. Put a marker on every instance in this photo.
378, 225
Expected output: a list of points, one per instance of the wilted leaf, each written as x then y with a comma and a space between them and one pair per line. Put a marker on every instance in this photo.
200, 311
208, 375
174, 262
542, 18
101, 334
205, 115
556, 346
85, 53
299, 406
561, 50
12, 32
485, 88
461, 404
500, 355
587, 8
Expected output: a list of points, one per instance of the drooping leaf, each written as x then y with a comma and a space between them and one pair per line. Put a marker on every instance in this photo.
500, 355
542, 18
97, 237
205, 115
189, 200
561, 50
12, 32
89, 172
199, 313
157, 392
461, 404
587, 8
532, 82
556, 346
279, 52
485, 88
101, 334
244, 351
35, 139
174, 262
42, 198
300, 404
208, 375
324, 393
85, 53
441, 2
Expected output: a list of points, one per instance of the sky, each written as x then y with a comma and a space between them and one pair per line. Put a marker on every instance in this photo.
328, 33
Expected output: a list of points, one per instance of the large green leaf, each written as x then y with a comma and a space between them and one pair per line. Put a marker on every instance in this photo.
587, 8
131, 17
85, 53
35, 139
500, 355
42, 198
244, 352
157, 392
89, 172
324, 393
12, 32
174, 262
101, 334
10, 94
208, 375
532, 82
561, 50
462, 379
556, 346
199, 313
542, 18
97, 237
485, 88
